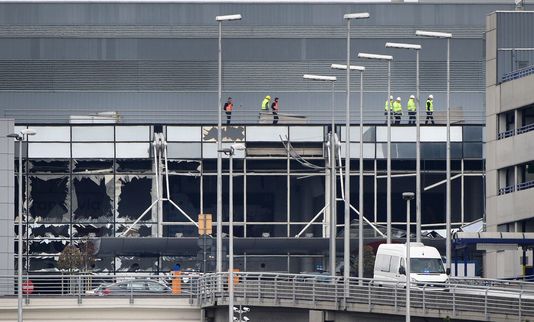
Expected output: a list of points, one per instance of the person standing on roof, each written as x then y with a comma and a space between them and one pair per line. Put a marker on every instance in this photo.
274, 107
387, 110
265, 103
228, 107
430, 109
397, 110
412, 109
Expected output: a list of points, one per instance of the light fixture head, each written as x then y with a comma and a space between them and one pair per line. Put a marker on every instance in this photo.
402, 46
360, 15
228, 17
408, 195
239, 146
28, 132
344, 67
320, 78
433, 34
375, 56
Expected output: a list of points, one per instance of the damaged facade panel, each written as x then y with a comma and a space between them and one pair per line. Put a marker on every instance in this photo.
136, 264
49, 166
139, 230
92, 230
228, 133
185, 192
48, 198
102, 166
92, 198
49, 231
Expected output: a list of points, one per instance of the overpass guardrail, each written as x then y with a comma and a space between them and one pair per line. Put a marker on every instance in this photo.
470, 299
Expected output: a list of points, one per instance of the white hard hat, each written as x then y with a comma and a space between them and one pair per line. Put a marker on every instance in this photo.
391, 97
412, 96
431, 96
398, 98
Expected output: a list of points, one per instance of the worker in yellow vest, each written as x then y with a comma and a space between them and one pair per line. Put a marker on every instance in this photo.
265, 103
397, 110
412, 109
387, 110
430, 109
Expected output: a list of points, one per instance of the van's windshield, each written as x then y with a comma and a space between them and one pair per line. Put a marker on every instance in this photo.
427, 265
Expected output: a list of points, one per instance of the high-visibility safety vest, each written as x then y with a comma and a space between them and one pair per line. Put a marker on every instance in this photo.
386, 105
228, 107
429, 105
397, 107
411, 105
265, 104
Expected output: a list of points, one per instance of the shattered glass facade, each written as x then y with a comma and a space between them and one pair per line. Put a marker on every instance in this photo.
84, 181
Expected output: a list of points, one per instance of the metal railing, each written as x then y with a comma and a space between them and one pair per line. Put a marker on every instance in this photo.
525, 185
505, 134
505, 190
481, 299
518, 73
526, 128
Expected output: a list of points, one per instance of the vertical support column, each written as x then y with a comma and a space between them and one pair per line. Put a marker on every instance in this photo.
388, 192
375, 195
346, 226
417, 155
219, 156
462, 192
448, 206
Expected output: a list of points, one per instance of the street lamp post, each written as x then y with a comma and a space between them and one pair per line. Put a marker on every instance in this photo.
447, 36
332, 247
346, 234
20, 137
408, 196
346, 230
387, 58
220, 20
417, 49
231, 152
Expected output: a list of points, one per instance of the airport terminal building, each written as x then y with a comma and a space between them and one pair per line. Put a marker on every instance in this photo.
155, 65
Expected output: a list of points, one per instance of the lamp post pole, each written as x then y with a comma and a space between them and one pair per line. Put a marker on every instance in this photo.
346, 226
19, 137
231, 241
408, 196
387, 58
220, 20
332, 201
448, 36
417, 49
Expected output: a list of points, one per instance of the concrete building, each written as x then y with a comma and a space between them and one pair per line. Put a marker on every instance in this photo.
509, 136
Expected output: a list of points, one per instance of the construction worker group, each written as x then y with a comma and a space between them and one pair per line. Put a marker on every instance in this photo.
393, 110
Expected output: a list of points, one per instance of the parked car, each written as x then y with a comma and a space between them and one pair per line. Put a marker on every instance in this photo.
136, 286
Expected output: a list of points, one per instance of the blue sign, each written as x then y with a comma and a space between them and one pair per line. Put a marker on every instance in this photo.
176, 267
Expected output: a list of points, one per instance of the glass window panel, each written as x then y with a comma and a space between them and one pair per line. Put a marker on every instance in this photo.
43, 264
133, 196
398, 134
228, 133
49, 150
368, 150
209, 150
185, 193
132, 133
93, 150
369, 134
184, 150
133, 150
473, 150
92, 166
473, 133
49, 166
184, 133
50, 133
439, 134
92, 133
49, 198
266, 198
266, 133
47, 246
92, 198
306, 133
433, 150
398, 151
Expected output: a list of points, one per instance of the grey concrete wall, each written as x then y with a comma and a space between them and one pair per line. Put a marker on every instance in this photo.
7, 214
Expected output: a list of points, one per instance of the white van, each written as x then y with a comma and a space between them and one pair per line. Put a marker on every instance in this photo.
426, 264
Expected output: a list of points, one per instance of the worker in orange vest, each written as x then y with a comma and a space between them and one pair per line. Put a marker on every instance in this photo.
228, 106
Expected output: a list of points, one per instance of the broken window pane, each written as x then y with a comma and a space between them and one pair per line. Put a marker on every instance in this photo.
49, 198
92, 198
134, 196
136, 264
180, 231
187, 166
49, 166
266, 198
43, 263
92, 230
139, 230
101, 166
47, 246
185, 193
134, 165
228, 133
49, 231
